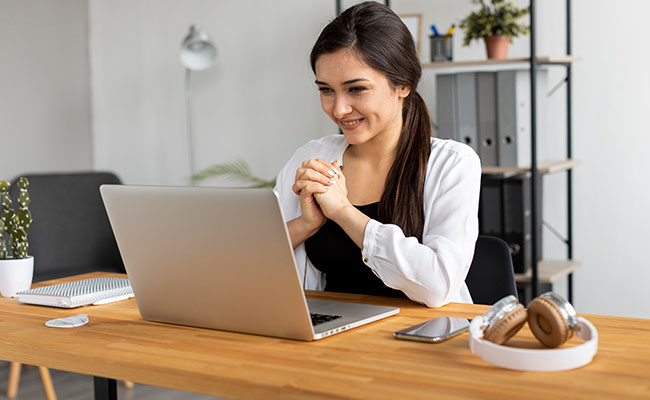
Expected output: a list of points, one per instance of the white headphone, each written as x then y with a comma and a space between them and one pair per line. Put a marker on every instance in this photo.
553, 321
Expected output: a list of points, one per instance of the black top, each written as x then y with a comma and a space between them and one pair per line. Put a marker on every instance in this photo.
332, 252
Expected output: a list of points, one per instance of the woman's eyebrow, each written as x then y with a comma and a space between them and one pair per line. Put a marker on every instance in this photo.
344, 83
354, 81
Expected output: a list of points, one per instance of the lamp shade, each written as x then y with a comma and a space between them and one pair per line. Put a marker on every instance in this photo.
197, 50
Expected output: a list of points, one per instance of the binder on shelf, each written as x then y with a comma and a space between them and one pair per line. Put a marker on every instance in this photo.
446, 106
514, 106
466, 126
512, 121
78, 293
487, 117
505, 212
490, 207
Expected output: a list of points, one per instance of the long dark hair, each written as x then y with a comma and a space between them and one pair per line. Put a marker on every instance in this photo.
384, 43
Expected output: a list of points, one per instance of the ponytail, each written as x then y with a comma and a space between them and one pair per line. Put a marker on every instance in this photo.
402, 203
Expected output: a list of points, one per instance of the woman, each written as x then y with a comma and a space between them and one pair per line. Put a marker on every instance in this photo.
384, 208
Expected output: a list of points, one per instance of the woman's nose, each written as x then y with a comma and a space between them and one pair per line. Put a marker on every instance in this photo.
342, 107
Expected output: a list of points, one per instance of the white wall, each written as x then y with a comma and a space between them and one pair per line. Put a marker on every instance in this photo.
44, 87
612, 194
259, 103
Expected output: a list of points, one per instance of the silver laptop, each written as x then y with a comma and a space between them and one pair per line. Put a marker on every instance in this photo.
220, 258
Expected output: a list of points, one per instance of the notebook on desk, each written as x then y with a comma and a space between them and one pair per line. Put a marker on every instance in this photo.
220, 258
78, 293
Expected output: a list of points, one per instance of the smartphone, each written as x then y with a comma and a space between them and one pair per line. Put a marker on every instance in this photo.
434, 331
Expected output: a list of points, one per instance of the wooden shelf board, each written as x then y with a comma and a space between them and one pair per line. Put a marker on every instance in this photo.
546, 167
472, 63
548, 271
558, 59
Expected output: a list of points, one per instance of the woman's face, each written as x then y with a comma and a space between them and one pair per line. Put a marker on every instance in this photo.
358, 98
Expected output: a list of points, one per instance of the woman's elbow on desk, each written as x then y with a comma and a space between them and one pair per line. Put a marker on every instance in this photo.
430, 298
434, 296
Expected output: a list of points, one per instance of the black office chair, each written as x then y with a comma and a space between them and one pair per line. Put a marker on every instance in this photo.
70, 235
491, 275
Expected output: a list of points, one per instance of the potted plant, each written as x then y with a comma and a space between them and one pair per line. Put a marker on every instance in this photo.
16, 266
497, 23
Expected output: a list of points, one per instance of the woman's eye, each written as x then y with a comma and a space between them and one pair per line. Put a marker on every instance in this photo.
325, 90
357, 89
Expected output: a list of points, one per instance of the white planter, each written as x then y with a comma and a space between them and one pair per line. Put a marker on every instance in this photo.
16, 275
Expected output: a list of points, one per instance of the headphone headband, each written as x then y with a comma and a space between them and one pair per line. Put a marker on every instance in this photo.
535, 360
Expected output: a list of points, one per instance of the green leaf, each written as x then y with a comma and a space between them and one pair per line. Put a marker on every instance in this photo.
237, 170
499, 18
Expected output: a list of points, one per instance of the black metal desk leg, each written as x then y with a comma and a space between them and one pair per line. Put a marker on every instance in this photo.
105, 389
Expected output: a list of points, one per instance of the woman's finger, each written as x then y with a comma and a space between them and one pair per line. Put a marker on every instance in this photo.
321, 166
314, 175
308, 187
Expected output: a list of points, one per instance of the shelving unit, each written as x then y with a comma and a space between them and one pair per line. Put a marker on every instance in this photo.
547, 167
561, 60
545, 271
566, 268
550, 271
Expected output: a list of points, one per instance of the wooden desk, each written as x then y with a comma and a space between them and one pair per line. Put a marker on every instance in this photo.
366, 362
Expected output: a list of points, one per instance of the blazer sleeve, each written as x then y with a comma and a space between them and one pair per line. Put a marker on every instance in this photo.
432, 272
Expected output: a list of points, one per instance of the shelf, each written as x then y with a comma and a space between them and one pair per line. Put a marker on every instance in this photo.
559, 60
548, 271
546, 167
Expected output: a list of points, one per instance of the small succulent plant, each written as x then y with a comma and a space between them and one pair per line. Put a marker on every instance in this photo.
15, 222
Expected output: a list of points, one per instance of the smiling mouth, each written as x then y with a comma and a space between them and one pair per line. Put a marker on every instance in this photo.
350, 123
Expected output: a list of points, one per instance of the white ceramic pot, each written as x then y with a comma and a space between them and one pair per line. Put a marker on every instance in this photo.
16, 275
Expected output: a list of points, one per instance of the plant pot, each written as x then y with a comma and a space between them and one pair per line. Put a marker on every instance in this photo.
16, 275
497, 47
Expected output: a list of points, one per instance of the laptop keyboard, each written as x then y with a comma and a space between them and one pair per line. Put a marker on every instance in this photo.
322, 318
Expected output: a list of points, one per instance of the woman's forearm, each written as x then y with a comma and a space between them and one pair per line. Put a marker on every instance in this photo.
353, 222
299, 231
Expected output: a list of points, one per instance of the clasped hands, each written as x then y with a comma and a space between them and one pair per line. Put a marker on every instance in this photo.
322, 191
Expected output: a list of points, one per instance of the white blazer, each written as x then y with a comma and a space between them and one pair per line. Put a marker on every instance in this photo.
432, 272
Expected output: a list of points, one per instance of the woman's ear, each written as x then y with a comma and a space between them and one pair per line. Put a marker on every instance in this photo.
403, 91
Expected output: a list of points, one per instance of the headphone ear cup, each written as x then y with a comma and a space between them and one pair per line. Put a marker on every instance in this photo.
547, 322
506, 327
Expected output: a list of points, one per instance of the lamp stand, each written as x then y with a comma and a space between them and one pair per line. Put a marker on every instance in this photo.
188, 121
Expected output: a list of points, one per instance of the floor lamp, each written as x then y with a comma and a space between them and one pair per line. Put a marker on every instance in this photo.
198, 53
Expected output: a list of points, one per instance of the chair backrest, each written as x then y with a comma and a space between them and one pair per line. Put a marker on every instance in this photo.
491, 275
70, 232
